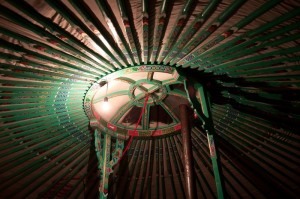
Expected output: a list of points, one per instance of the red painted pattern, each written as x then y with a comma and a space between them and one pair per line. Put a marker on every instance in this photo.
111, 126
133, 133
157, 133
177, 127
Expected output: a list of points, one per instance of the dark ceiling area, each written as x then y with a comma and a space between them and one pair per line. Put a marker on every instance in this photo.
235, 63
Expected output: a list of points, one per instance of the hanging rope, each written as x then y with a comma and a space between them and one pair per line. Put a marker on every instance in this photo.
136, 125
